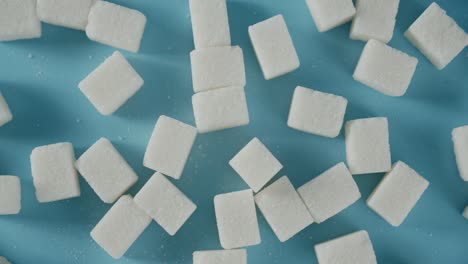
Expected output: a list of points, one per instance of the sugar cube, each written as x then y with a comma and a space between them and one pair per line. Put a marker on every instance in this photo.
255, 164
65, 13
220, 109
233, 256
217, 67
329, 193
460, 144
274, 47
283, 209
116, 26
385, 69
397, 193
328, 14
165, 203
210, 24
120, 227
18, 20
10, 195
367, 145
374, 19
3, 260
349, 249
111, 84
5, 113
316, 112
169, 146
465, 213
54, 174
106, 171
236, 219
437, 36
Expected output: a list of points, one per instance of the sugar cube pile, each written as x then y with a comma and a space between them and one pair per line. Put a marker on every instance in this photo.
460, 145
5, 113
233, 256
106, 171
397, 193
66, 13
54, 174
169, 146
165, 203
349, 249
328, 14
317, 112
10, 195
18, 20
255, 164
329, 193
3, 260
283, 209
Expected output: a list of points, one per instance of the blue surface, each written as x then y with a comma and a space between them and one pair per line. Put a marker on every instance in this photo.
39, 79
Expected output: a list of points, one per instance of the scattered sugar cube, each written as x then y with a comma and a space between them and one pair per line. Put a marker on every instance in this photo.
367, 145
385, 69
54, 174
374, 19
120, 227
234, 256
328, 14
10, 195
220, 109
217, 67
465, 213
437, 36
5, 113
316, 112
4, 261
460, 144
349, 249
330, 193
397, 193
274, 47
283, 209
236, 219
106, 171
169, 146
166, 204
111, 84
116, 26
255, 164
65, 13
210, 24
18, 20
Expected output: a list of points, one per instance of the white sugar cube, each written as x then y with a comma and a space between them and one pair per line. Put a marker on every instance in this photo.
65, 13
460, 145
54, 174
374, 19
18, 20
233, 256
217, 67
437, 36
10, 195
397, 193
169, 146
220, 109
255, 164
236, 219
274, 47
111, 84
116, 26
283, 209
330, 193
465, 213
210, 24
349, 249
328, 14
5, 113
385, 69
106, 171
120, 227
316, 112
4, 261
367, 145
165, 203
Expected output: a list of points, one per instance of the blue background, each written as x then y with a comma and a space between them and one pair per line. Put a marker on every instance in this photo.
39, 79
